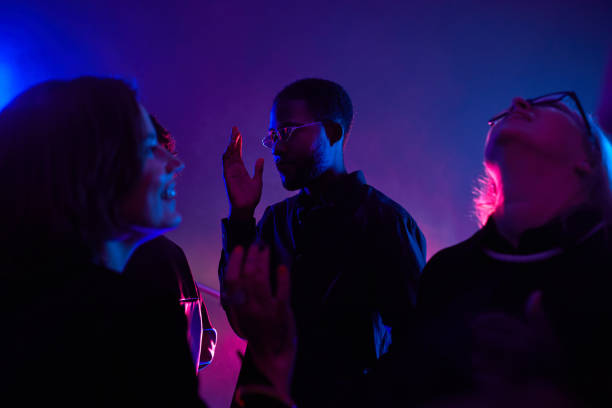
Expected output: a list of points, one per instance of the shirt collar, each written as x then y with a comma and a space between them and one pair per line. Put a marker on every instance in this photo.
341, 191
560, 233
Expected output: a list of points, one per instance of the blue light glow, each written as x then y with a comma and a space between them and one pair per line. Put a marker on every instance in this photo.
7, 88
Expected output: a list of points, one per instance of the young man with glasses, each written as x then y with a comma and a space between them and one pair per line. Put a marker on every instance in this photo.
354, 255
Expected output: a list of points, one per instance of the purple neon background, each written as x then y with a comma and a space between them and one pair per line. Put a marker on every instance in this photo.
424, 79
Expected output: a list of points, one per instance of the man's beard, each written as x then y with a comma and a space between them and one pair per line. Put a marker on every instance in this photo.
308, 170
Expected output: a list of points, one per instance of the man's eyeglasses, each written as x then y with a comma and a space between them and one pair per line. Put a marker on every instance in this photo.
276, 135
551, 99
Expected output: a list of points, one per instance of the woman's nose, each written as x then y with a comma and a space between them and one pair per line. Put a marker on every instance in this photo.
174, 165
519, 103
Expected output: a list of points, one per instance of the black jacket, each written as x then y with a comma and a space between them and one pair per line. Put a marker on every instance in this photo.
76, 334
161, 265
569, 260
355, 258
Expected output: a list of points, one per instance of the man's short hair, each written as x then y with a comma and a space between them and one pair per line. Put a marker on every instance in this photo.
325, 99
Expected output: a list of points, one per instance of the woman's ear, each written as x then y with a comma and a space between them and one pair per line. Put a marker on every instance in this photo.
334, 131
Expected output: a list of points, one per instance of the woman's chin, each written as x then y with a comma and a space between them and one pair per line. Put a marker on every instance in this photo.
172, 222
151, 229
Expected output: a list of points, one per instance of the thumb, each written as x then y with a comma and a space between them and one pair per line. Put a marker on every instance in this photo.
234, 134
258, 175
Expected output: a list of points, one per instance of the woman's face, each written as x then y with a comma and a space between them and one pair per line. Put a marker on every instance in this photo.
151, 206
551, 132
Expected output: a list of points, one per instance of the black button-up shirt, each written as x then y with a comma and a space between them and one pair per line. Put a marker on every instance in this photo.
355, 258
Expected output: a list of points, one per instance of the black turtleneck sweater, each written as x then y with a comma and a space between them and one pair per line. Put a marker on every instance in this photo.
569, 260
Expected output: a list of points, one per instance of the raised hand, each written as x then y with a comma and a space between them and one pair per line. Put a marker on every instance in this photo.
264, 317
243, 191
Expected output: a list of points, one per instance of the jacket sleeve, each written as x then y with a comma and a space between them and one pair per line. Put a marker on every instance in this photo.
399, 261
169, 379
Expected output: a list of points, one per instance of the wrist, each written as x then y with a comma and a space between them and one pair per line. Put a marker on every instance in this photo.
241, 214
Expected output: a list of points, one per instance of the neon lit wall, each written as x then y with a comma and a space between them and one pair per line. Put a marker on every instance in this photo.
424, 78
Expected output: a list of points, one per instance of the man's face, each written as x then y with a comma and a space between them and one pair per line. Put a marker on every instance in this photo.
307, 153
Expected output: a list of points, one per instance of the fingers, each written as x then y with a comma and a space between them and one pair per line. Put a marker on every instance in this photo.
258, 174
232, 297
238, 142
264, 268
231, 147
257, 272
234, 148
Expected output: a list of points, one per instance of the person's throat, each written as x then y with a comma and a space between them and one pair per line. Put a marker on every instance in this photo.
530, 201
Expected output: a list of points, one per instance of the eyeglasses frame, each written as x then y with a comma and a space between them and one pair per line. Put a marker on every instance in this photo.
278, 138
562, 94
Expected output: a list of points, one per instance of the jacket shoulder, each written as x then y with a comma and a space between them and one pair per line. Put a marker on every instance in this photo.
455, 255
386, 208
280, 209
375, 199
450, 264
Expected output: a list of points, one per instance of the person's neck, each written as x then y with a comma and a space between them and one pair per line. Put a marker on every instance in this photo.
116, 253
327, 179
533, 198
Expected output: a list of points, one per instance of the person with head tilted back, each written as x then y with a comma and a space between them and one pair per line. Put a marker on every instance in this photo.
525, 298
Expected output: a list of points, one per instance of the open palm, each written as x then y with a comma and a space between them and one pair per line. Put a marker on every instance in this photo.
243, 191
